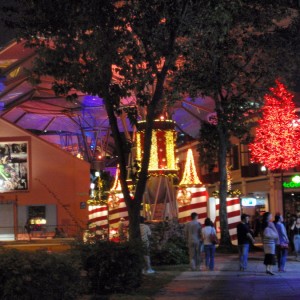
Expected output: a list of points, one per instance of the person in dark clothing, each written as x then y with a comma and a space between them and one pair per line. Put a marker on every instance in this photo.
28, 228
244, 239
283, 245
257, 224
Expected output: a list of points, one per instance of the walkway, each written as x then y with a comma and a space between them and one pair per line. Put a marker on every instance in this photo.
226, 282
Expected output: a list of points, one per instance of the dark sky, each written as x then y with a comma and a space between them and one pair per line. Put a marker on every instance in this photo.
5, 34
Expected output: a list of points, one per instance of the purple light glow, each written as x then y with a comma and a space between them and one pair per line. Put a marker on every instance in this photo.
92, 101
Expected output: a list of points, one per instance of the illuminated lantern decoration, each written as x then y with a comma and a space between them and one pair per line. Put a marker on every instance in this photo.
162, 156
192, 195
277, 139
159, 201
190, 177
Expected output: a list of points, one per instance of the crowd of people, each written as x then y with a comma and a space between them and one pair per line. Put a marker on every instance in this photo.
277, 238
274, 235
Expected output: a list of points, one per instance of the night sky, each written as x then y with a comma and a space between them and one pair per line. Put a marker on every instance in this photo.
5, 34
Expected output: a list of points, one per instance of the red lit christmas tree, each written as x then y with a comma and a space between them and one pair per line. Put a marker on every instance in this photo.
277, 140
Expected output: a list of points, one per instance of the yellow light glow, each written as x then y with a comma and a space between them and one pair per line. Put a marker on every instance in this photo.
138, 146
184, 197
117, 185
190, 176
113, 201
153, 164
162, 152
229, 178
170, 150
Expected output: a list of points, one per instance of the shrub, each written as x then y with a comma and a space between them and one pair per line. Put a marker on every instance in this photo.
37, 275
112, 267
168, 246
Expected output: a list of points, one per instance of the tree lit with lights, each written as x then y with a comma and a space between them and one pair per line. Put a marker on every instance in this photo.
277, 139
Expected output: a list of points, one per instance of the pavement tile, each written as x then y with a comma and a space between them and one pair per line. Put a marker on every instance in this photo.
227, 282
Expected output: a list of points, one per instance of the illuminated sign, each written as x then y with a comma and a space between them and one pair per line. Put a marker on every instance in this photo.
296, 179
248, 202
294, 183
291, 185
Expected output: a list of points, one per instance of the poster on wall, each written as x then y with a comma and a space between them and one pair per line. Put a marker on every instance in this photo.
13, 166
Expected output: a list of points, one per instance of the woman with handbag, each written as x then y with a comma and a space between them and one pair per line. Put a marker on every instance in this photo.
282, 247
270, 239
209, 240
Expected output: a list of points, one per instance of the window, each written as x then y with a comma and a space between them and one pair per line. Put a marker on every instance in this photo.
233, 158
37, 212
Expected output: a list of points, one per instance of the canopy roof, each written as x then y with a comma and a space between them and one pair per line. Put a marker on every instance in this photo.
80, 126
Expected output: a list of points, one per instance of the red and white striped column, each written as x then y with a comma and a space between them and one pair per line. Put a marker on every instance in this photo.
117, 212
198, 204
233, 215
98, 217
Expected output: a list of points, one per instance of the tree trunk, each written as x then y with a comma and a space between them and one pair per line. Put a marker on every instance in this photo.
225, 236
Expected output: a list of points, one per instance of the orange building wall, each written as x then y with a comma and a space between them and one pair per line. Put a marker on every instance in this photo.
55, 177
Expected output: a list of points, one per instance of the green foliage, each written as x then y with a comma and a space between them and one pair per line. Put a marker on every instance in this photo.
113, 49
208, 146
233, 55
235, 51
168, 246
112, 267
39, 275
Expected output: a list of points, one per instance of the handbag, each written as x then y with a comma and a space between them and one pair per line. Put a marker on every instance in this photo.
213, 238
284, 245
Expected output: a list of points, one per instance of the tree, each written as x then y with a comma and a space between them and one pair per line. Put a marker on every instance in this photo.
277, 138
234, 53
112, 49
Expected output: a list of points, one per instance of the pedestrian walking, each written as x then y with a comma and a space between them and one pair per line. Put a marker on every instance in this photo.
209, 247
244, 239
282, 247
194, 239
28, 228
145, 235
295, 232
270, 239
122, 230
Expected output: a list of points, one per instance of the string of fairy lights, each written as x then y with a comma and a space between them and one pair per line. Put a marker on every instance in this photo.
162, 152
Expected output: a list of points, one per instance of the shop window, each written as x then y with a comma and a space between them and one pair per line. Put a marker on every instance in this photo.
291, 203
245, 155
37, 217
233, 157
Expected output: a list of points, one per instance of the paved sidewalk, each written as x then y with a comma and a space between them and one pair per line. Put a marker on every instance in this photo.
227, 282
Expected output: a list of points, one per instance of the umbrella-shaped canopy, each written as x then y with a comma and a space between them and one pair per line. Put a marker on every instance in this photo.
80, 126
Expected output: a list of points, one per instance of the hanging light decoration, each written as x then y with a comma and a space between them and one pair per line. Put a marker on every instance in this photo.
189, 181
162, 152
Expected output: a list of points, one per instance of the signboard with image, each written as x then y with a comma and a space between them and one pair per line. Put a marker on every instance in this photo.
13, 166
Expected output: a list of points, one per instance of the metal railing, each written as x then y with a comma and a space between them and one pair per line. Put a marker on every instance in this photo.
40, 232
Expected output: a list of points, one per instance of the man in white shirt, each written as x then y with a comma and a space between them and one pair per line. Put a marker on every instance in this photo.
145, 235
